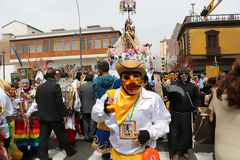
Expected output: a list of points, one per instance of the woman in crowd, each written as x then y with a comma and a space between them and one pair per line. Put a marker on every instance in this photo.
227, 109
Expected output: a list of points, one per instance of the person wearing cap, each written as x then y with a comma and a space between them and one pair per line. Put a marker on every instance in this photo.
184, 99
136, 117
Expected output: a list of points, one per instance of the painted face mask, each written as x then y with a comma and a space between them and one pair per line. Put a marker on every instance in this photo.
171, 76
25, 85
165, 77
132, 82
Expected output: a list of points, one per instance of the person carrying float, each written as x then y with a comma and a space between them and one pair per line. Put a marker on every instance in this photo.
136, 117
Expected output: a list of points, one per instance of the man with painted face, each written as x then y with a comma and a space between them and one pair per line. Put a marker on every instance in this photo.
184, 99
136, 117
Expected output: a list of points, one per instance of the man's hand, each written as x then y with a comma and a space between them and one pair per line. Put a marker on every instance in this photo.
165, 99
135, 139
64, 120
110, 100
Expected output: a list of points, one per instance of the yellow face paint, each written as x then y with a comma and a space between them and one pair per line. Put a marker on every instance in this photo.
171, 76
132, 82
165, 77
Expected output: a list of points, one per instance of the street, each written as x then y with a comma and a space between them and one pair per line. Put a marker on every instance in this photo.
86, 152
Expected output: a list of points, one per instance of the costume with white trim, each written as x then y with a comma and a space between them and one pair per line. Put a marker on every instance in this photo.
145, 108
27, 127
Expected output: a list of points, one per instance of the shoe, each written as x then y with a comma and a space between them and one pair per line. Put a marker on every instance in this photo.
106, 156
50, 159
90, 140
175, 157
71, 154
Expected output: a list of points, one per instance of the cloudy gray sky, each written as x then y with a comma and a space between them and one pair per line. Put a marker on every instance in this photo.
154, 20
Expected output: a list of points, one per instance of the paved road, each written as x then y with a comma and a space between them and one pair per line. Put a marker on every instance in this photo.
86, 152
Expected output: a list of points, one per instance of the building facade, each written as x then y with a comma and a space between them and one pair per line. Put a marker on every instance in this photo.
209, 45
61, 47
164, 44
173, 50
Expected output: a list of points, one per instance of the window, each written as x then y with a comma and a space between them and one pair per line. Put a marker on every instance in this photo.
89, 42
113, 39
212, 43
39, 46
105, 41
19, 48
46, 46
98, 41
59, 45
67, 45
25, 47
52, 45
32, 46
75, 44
83, 43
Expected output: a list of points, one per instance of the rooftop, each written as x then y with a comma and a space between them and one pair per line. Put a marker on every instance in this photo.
88, 30
212, 18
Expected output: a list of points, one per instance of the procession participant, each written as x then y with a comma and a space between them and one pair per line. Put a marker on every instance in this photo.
165, 78
27, 128
184, 99
86, 94
15, 102
13, 151
136, 117
6, 109
171, 78
52, 115
72, 103
103, 82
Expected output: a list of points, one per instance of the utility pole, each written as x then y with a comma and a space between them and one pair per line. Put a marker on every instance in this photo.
80, 36
3, 54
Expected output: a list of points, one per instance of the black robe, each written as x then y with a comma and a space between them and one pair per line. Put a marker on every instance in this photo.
182, 108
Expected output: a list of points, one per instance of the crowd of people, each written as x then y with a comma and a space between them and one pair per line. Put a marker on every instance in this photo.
120, 117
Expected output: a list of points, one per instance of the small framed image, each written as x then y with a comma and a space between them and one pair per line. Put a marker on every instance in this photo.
127, 130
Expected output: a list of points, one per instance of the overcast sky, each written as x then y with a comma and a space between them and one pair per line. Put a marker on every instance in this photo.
154, 20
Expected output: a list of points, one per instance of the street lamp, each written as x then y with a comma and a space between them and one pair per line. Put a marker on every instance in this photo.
80, 37
3, 54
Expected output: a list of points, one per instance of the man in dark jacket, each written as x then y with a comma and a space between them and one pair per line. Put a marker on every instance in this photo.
52, 115
86, 94
184, 100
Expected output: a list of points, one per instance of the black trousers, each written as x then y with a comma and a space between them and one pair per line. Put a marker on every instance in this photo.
45, 132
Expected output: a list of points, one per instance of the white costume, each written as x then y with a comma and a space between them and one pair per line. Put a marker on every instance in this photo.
7, 107
150, 114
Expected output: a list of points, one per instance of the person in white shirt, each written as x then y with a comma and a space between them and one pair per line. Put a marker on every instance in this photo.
202, 80
136, 117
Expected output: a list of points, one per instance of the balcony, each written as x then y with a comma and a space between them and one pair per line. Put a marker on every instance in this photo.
213, 51
218, 17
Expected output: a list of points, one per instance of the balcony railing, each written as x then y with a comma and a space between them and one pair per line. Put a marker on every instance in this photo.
218, 17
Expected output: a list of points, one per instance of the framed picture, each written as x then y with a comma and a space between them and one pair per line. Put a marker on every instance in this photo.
127, 130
